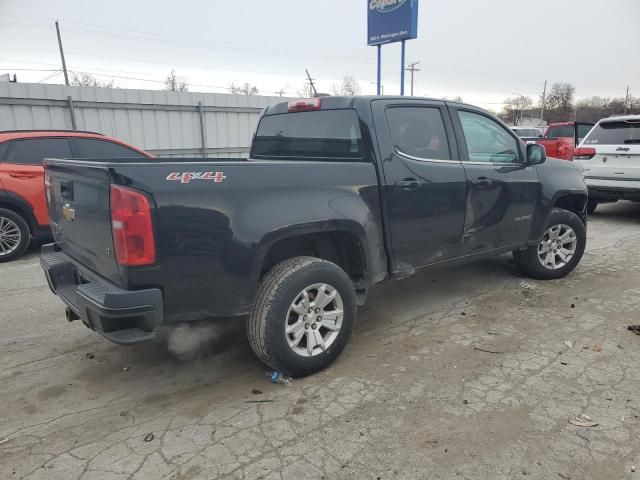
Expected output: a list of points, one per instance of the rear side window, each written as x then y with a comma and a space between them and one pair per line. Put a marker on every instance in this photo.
95, 149
33, 151
330, 134
419, 132
4, 146
560, 131
614, 133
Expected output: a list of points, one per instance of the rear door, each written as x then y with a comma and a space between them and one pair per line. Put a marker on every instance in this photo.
424, 181
22, 174
502, 188
617, 146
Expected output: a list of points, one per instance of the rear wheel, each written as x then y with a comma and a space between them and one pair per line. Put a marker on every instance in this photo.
14, 235
591, 205
303, 316
559, 250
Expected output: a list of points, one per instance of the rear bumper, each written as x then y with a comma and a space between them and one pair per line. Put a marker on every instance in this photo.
611, 190
122, 316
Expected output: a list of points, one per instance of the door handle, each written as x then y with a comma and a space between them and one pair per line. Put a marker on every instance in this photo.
408, 184
482, 182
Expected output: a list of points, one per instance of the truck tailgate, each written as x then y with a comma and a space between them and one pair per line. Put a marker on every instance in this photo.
79, 214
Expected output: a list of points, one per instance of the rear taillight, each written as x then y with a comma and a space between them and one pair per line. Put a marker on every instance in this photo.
562, 150
304, 105
584, 153
132, 228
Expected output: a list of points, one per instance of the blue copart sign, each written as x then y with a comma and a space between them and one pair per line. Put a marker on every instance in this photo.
391, 20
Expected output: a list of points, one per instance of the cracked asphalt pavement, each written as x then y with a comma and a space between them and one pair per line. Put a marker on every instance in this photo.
469, 372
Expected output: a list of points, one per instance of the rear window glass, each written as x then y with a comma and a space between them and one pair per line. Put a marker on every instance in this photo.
614, 133
318, 134
562, 131
103, 149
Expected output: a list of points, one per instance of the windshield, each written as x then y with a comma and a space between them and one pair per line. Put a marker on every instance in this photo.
614, 133
560, 131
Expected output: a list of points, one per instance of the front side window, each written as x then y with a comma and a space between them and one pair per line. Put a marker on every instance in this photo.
487, 140
326, 134
419, 132
32, 151
96, 149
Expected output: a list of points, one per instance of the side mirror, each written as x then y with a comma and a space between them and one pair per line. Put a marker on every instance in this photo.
536, 154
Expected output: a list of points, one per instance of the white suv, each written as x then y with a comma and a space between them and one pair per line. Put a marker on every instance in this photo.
610, 155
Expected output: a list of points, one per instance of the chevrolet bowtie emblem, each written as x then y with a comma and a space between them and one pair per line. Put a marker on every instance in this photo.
68, 212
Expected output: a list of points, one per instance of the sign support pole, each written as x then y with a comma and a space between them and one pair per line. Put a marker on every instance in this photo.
402, 70
378, 88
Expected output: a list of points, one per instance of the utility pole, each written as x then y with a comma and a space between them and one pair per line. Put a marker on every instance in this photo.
64, 65
544, 97
412, 68
280, 92
626, 100
313, 87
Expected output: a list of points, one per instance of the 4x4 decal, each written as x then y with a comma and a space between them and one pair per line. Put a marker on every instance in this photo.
186, 177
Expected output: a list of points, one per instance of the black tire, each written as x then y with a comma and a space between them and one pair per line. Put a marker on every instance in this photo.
592, 203
528, 259
278, 290
25, 235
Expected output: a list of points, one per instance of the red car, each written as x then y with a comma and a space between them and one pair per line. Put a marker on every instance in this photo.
561, 139
23, 211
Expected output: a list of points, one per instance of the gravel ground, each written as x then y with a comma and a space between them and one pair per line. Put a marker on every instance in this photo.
459, 373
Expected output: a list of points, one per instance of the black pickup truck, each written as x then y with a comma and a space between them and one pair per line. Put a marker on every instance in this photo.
339, 194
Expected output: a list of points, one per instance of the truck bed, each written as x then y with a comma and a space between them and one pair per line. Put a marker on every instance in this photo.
214, 219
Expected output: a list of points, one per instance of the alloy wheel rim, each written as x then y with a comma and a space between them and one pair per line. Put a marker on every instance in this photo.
558, 246
10, 236
314, 320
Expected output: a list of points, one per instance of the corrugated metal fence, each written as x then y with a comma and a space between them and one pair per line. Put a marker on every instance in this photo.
164, 123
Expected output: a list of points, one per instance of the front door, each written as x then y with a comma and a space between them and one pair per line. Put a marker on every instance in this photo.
424, 182
502, 188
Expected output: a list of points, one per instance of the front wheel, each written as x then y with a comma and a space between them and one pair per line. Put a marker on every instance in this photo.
303, 316
559, 250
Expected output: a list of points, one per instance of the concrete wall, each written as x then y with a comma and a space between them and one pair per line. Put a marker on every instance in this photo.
164, 123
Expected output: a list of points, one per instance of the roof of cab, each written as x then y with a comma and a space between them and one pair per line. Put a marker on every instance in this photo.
621, 118
11, 134
334, 102
6, 135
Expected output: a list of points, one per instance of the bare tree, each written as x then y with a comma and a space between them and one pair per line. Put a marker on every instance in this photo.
457, 98
306, 91
245, 89
594, 108
175, 83
348, 87
559, 104
83, 79
516, 107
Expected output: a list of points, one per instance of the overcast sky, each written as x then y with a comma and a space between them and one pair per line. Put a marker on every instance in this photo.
481, 50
